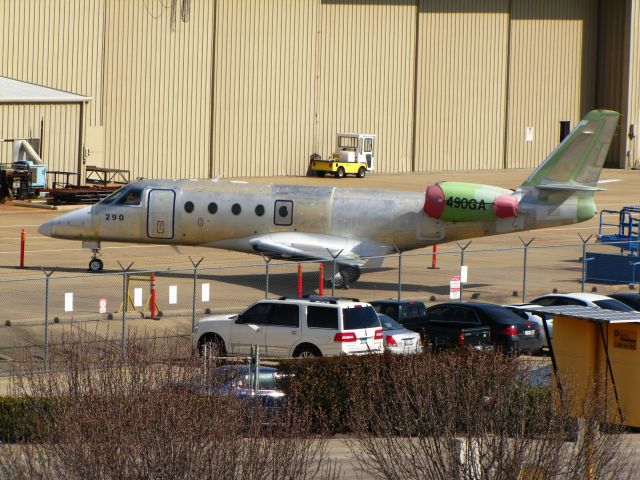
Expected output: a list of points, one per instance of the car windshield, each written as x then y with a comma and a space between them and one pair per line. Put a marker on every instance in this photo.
389, 323
412, 311
359, 317
613, 304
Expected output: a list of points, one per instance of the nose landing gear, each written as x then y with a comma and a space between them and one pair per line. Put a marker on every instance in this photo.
95, 264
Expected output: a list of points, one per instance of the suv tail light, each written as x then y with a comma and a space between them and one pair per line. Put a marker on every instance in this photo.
378, 335
510, 330
460, 339
391, 341
345, 337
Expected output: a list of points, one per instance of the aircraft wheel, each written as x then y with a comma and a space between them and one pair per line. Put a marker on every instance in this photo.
340, 173
353, 273
320, 173
96, 265
362, 172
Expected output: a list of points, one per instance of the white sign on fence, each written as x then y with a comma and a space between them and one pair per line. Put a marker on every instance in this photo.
173, 294
68, 302
205, 292
102, 305
454, 287
137, 297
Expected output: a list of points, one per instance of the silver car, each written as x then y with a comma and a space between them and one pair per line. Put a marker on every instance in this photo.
396, 338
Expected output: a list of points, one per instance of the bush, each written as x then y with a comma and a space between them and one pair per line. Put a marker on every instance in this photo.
17, 419
114, 415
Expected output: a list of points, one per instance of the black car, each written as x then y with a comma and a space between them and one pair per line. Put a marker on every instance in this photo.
411, 314
630, 299
440, 335
509, 332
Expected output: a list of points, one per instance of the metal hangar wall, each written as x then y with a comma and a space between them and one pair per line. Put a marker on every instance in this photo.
193, 88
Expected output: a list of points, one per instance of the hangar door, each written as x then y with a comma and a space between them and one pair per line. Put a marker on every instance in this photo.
161, 206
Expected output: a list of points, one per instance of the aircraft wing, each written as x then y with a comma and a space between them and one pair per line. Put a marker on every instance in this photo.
304, 246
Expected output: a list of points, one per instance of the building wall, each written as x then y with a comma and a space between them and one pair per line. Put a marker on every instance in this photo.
366, 78
58, 44
265, 57
250, 88
632, 70
60, 144
157, 92
551, 74
462, 80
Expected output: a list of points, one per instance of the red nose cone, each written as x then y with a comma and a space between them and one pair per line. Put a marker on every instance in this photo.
505, 206
434, 201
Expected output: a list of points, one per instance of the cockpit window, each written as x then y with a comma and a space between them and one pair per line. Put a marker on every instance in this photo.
131, 197
113, 197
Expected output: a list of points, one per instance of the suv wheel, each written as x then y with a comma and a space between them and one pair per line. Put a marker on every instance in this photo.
307, 352
212, 345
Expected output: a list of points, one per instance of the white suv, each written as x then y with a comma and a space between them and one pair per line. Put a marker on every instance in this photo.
309, 327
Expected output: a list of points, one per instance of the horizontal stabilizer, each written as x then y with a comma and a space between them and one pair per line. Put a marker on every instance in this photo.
569, 187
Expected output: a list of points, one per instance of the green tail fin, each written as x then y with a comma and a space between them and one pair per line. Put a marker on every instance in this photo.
577, 162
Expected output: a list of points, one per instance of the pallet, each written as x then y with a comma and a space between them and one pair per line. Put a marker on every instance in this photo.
83, 196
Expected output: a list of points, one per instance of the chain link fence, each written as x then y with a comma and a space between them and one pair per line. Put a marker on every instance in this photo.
36, 310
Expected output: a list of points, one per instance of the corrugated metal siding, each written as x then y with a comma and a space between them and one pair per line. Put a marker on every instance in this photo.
58, 44
610, 82
158, 88
366, 78
462, 80
60, 132
552, 73
633, 66
264, 86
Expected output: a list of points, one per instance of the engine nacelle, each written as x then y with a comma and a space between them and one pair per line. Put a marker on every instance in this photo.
469, 202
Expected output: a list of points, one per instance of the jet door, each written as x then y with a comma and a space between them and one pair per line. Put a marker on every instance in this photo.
160, 213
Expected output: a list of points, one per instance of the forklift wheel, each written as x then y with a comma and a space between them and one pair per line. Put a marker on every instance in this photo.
340, 172
362, 172
96, 265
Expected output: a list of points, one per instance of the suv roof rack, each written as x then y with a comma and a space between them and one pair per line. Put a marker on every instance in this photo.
318, 298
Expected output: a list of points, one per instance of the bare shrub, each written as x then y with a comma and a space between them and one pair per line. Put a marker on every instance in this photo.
474, 415
104, 415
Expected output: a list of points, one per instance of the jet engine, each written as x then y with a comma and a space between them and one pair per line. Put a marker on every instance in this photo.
469, 202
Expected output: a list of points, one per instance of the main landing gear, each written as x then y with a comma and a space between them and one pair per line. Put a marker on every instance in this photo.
344, 277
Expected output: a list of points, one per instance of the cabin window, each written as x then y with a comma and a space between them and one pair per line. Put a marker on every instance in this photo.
213, 208
188, 207
236, 209
132, 197
260, 210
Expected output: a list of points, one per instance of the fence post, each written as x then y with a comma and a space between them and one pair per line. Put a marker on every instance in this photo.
266, 276
333, 279
125, 271
22, 242
399, 274
321, 281
524, 271
46, 316
584, 258
462, 250
195, 280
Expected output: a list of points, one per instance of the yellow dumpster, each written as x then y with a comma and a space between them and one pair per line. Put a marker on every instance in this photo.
590, 342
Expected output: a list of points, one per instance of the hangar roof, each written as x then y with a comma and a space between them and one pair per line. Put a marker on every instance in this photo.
16, 91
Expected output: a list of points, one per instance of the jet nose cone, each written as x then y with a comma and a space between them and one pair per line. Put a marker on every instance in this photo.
45, 229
